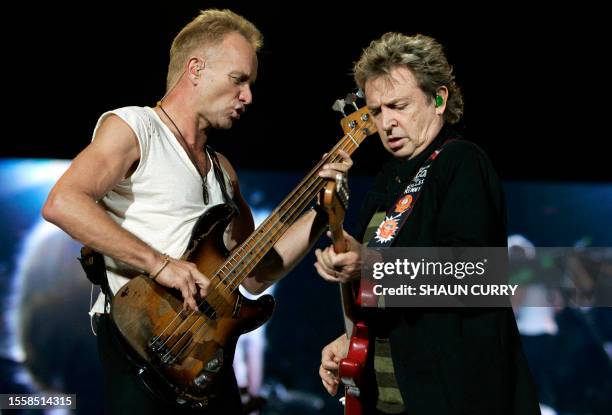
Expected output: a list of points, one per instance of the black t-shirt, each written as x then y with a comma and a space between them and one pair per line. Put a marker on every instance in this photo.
461, 203
451, 360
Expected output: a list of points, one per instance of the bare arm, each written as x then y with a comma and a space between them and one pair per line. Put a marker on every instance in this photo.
291, 247
242, 225
72, 205
287, 252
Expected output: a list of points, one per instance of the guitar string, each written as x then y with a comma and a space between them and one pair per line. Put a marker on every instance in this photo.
252, 236
252, 262
293, 215
333, 158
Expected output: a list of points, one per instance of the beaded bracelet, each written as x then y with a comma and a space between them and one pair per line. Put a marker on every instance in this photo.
166, 262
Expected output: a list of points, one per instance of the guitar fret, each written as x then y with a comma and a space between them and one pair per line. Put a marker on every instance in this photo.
179, 334
243, 260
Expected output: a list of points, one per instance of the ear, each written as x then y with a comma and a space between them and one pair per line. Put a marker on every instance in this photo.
194, 67
441, 92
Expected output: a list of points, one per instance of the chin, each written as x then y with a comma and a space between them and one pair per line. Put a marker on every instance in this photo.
402, 153
225, 124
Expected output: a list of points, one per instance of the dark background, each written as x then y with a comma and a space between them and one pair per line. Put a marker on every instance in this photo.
535, 101
533, 95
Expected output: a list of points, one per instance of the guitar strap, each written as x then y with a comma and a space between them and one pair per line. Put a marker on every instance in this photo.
219, 175
396, 215
95, 269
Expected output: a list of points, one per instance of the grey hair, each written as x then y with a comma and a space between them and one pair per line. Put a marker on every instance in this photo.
423, 56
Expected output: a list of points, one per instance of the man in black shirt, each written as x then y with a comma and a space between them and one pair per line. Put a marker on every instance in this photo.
430, 361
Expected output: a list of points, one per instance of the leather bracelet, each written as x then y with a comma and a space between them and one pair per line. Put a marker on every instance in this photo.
166, 262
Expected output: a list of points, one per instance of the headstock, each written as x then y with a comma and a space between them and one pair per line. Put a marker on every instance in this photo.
335, 195
359, 119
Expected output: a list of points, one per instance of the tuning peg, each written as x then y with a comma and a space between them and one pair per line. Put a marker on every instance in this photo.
351, 98
339, 106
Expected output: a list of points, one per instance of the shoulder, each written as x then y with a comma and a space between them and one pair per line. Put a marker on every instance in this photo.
464, 164
132, 125
129, 115
461, 153
138, 119
134, 110
462, 148
114, 129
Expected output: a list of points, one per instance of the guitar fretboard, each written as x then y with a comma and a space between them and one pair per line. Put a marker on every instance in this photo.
243, 259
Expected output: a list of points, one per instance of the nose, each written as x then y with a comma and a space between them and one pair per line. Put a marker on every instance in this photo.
388, 120
246, 96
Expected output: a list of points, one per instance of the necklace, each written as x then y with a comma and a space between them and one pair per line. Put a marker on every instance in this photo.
184, 144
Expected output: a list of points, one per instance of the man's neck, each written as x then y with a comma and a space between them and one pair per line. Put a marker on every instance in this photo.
192, 128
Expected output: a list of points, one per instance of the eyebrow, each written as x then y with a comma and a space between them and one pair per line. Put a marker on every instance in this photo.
394, 101
243, 76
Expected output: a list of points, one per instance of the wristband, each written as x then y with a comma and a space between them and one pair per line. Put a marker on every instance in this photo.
166, 262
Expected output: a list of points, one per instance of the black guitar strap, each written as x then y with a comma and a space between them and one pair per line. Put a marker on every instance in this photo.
219, 176
397, 214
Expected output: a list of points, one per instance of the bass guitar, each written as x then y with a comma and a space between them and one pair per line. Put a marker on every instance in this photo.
181, 353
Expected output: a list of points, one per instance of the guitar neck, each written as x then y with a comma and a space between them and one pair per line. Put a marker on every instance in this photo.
340, 245
243, 259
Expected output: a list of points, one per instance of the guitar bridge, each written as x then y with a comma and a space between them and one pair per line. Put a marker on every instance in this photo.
168, 354
352, 391
213, 366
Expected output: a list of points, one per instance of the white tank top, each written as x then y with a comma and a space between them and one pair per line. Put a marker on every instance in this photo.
162, 199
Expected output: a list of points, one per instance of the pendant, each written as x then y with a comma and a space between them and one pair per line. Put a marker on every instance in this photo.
205, 192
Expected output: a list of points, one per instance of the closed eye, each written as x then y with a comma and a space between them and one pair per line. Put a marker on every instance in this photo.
239, 79
398, 105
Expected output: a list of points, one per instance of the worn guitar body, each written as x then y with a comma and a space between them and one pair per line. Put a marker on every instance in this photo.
182, 352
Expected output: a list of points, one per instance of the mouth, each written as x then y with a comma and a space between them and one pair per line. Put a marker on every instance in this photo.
395, 142
237, 112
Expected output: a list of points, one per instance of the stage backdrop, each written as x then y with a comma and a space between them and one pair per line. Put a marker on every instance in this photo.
46, 342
